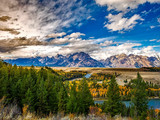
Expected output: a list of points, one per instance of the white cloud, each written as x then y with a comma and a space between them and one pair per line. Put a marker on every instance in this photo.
152, 27
119, 23
158, 19
102, 40
91, 18
54, 35
123, 5
152, 40
76, 35
126, 48
107, 43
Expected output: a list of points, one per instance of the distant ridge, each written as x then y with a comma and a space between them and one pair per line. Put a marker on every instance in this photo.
130, 61
81, 59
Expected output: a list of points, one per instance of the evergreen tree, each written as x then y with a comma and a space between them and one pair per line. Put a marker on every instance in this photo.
85, 98
139, 98
29, 100
3, 80
41, 102
62, 99
72, 102
52, 99
113, 105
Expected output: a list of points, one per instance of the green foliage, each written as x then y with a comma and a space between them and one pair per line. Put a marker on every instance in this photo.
113, 105
80, 99
35, 88
101, 76
73, 74
72, 103
139, 98
85, 99
62, 100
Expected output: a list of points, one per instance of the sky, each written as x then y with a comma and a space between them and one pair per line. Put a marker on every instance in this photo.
101, 28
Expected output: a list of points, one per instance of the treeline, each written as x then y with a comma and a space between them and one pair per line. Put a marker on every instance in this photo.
42, 91
153, 90
101, 76
151, 69
72, 74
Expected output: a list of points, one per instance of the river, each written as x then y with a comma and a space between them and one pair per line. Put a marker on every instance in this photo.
154, 103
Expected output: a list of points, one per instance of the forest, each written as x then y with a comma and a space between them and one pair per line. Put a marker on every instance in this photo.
46, 92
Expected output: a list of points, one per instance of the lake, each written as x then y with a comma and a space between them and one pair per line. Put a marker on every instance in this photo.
155, 103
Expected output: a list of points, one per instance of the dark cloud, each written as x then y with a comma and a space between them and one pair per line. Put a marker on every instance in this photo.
88, 48
5, 18
14, 44
10, 30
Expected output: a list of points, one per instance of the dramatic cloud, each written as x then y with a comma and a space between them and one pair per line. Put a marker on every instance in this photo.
30, 22
33, 18
118, 23
30, 28
73, 43
98, 50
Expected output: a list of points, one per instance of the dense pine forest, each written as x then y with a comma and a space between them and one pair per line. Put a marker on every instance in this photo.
45, 92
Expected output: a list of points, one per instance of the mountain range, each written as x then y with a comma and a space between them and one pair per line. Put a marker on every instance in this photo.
81, 59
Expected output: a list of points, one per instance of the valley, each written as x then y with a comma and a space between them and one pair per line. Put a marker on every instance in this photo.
125, 73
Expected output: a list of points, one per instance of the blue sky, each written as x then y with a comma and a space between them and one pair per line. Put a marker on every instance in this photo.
101, 28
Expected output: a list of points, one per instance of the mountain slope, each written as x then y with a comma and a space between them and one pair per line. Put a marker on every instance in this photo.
130, 61
80, 59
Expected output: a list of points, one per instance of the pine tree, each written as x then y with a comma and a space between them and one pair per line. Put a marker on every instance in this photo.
113, 105
62, 100
29, 99
41, 102
72, 102
139, 98
85, 99
52, 96
3, 81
